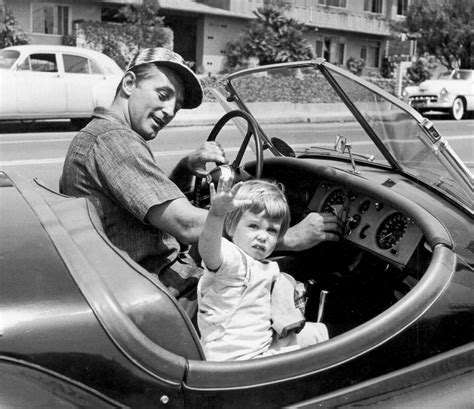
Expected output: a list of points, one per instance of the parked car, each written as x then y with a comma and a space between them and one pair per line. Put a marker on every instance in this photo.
48, 82
82, 325
452, 92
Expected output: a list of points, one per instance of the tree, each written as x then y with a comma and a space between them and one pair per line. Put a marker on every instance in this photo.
140, 27
271, 38
444, 29
11, 32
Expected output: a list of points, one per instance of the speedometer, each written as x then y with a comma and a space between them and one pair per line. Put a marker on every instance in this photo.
391, 231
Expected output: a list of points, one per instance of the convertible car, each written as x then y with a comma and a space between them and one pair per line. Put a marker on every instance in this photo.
83, 326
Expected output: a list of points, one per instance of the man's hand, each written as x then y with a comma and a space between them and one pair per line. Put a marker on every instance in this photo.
208, 152
312, 230
223, 201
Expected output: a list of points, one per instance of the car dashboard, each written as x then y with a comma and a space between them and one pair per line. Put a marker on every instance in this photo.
369, 222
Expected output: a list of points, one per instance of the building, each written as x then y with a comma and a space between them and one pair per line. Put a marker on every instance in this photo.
337, 29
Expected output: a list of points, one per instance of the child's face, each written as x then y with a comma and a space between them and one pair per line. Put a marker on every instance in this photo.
256, 234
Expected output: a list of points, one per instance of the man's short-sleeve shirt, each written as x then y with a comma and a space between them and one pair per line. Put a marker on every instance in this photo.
113, 167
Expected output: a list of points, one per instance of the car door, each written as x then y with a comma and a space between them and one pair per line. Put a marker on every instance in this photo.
82, 75
41, 89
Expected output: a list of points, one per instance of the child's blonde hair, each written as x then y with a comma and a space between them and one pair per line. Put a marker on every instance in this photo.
266, 196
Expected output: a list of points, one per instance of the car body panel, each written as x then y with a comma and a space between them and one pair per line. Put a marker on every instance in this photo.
68, 82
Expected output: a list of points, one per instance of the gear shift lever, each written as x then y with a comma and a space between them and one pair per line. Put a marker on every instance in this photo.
322, 302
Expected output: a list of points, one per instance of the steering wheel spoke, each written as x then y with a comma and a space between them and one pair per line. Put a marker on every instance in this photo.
204, 178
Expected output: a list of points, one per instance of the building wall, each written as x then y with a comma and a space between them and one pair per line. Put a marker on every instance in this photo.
344, 30
78, 9
217, 32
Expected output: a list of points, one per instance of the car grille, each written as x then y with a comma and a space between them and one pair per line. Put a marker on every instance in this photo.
423, 98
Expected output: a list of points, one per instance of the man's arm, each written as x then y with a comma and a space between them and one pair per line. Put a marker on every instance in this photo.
179, 218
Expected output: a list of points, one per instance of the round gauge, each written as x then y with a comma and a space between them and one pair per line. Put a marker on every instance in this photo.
336, 197
364, 206
391, 231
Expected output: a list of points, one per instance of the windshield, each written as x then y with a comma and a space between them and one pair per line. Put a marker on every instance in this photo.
8, 58
298, 104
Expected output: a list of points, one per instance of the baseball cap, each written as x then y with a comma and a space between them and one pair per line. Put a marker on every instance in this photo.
193, 93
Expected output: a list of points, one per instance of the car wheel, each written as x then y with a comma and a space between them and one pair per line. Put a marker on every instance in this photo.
457, 110
80, 123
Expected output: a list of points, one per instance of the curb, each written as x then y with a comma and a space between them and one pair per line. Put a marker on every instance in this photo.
209, 113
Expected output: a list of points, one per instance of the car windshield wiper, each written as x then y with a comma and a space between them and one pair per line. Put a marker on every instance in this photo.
310, 150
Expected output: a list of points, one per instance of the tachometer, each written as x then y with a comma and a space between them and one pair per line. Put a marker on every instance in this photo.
391, 231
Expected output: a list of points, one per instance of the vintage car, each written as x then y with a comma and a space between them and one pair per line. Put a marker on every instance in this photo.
49, 81
83, 326
452, 92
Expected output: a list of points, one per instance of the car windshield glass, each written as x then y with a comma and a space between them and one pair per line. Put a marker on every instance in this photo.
299, 106
8, 58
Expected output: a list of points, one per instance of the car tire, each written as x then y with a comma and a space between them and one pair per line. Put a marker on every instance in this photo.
458, 109
80, 123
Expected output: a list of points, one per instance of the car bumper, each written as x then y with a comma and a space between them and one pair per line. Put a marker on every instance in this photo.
429, 103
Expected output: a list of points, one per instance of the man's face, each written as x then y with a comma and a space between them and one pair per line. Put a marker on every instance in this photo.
154, 101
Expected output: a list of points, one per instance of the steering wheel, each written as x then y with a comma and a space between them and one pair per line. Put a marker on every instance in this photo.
234, 168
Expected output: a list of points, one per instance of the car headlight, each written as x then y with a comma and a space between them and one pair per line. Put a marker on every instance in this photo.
443, 93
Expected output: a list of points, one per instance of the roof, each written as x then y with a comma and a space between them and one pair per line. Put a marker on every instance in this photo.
193, 7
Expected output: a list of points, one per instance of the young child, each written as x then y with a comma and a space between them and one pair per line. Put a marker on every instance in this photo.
234, 294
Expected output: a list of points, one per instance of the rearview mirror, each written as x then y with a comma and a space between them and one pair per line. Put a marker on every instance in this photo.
341, 143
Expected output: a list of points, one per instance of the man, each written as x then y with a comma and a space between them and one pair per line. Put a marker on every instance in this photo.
143, 211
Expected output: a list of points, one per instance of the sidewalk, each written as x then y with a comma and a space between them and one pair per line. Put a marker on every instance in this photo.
276, 113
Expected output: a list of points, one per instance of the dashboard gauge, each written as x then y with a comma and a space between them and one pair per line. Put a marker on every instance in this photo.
391, 231
352, 196
354, 221
378, 206
336, 197
364, 206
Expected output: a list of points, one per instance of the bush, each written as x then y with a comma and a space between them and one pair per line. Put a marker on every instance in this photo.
355, 65
11, 32
418, 71
271, 38
313, 88
142, 28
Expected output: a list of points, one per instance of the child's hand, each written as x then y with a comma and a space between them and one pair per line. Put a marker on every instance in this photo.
223, 201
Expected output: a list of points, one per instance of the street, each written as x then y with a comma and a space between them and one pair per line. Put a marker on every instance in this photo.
38, 150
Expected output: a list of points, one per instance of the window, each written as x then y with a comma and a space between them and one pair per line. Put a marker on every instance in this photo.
8, 58
39, 63
323, 48
340, 54
373, 6
75, 64
50, 19
402, 7
370, 53
333, 3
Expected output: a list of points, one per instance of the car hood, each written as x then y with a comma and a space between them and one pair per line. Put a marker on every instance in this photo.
438, 85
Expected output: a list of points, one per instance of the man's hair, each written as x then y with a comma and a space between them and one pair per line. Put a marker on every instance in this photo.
267, 197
